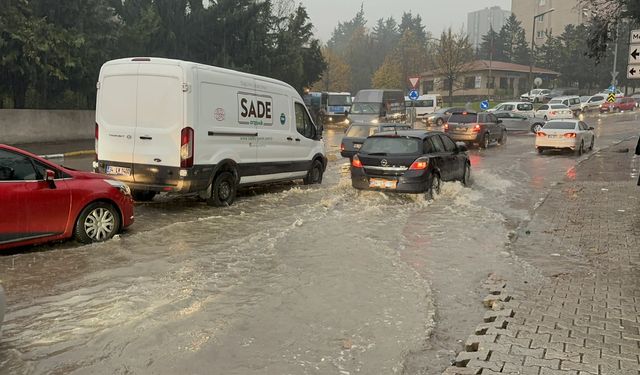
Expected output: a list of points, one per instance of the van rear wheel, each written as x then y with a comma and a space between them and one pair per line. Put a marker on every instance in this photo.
314, 176
223, 190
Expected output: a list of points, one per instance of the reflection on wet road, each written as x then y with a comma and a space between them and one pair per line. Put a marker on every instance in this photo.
291, 279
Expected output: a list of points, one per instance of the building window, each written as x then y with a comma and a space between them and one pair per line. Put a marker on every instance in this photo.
541, 18
428, 86
469, 82
504, 83
542, 3
491, 82
539, 34
511, 81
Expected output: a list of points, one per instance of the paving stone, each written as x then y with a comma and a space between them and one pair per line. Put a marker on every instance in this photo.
550, 363
548, 371
587, 367
520, 370
536, 353
563, 356
461, 371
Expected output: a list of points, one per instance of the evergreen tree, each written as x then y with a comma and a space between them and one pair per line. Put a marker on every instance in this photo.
492, 47
515, 47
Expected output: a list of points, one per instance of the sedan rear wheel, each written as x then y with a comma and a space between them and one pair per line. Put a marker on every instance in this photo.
580, 149
466, 177
593, 140
434, 187
503, 138
484, 142
97, 222
536, 128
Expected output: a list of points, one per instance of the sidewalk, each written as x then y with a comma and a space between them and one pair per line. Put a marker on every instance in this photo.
66, 148
581, 315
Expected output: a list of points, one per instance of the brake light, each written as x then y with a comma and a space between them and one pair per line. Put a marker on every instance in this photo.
476, 128
419, 165
541, 134
355, 162
446, 127
570, 135
553, 113
186, 148
341, 147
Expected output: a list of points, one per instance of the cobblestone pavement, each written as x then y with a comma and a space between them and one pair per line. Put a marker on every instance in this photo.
581, 316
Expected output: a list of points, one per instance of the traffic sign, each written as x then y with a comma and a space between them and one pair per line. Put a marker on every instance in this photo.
611, 98
414, 95
414, 81
484, 105
633, 68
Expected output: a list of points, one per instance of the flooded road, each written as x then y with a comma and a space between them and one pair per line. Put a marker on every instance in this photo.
290, 280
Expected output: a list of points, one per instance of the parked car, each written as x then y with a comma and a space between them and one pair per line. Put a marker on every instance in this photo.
356, 134
48, 202
593, 103
524, 108
571, 135
621, 104
480, 128
441, 116
563, 91
573, 102
554, 111
409, 162
517, 122
536, 96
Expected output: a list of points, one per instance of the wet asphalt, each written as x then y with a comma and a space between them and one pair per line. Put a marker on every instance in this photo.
290, 280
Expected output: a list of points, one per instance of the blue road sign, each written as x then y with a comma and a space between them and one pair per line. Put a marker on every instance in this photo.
612, 89
413, 95
484, 105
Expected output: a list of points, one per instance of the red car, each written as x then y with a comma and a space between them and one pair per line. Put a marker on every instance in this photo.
621, 104
41, 201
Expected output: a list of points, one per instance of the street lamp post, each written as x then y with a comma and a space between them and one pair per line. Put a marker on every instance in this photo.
533, 46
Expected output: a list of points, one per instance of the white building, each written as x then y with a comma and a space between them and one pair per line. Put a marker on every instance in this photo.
480, 22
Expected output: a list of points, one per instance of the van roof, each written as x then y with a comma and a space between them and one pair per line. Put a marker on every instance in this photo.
188, 64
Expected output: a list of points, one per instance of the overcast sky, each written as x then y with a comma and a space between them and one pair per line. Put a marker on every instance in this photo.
436, 14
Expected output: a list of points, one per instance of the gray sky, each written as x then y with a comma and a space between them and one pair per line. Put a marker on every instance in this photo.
436, 14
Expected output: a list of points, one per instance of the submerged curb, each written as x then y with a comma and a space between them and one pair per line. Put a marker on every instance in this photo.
68, 154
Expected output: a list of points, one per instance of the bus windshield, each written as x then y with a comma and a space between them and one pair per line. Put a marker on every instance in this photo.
343, 100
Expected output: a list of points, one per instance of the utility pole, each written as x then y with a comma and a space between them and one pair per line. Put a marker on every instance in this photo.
533, 46
614, 72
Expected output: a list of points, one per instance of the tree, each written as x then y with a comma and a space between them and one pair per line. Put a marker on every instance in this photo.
337, 76
454, 53
605, 17
385, 37
414, 25
389, 75
492, 47
514, 43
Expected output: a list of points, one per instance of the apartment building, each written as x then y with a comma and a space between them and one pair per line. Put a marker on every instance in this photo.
566, 12
479, 23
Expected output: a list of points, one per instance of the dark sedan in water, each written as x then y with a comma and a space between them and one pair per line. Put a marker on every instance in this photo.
409, 162
356, 134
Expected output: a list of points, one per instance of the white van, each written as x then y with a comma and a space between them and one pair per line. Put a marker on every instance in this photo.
424, 105
180, 127
523, 108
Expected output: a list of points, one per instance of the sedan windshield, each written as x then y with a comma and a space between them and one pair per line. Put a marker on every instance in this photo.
560, 125
366, 108
391, 145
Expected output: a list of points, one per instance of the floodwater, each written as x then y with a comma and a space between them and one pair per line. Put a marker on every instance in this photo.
290, 280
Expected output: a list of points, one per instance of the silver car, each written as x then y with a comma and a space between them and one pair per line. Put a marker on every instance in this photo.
516, 122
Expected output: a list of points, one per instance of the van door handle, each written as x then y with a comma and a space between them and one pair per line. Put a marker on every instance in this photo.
297, 139
289, 139
146, 138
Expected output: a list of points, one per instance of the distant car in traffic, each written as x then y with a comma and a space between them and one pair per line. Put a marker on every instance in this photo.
536, 96
593, 103
479, 128
563, 91
441, 116
516, 122
572, 135
524, 108
409, 162
617, 93
42, 202
573, 102
554, 111
621, 104
356, 134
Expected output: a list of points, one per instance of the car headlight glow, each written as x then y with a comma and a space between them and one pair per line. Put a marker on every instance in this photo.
124, 188
375, 121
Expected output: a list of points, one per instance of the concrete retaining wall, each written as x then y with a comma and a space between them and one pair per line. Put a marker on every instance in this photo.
32, 125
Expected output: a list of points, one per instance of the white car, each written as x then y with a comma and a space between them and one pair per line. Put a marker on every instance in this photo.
524, 108
593, 103
554, 111
572, 135
536, 96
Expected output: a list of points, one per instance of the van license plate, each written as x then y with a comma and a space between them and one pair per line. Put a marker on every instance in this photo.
382, 184
118, 171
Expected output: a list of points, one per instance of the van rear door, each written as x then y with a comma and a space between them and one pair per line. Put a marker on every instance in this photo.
116, 119
159, 119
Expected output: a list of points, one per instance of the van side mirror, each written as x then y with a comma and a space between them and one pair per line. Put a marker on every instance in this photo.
591, 128
499, 121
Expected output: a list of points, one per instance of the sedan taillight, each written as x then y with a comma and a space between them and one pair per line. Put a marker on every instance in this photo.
570, 135
419, 165
355, 162
541, 134
476, 128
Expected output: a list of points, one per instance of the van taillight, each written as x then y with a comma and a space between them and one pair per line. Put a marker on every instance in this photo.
186, 148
